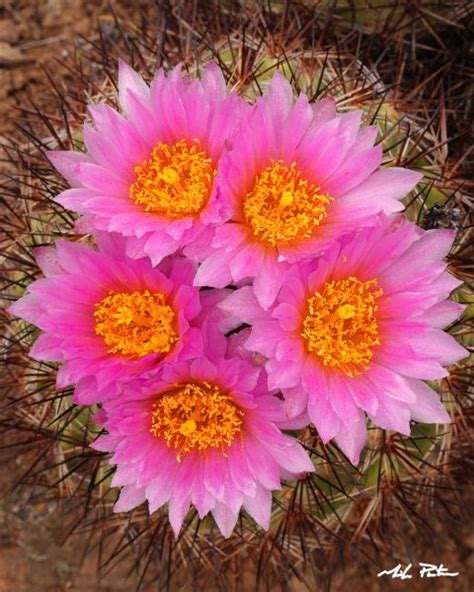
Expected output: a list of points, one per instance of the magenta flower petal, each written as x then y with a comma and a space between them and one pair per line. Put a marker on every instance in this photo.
260, 506
99, 352
231, 454
153, 174
297, 178
67, 163
130, 497
225, 519
427, 407
352, 440
357, 330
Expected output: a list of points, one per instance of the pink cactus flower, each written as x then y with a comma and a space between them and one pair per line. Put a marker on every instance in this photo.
295, 177
358, 330
108, 317
152, 174
204, 433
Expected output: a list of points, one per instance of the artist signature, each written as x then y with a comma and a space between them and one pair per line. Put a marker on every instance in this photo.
425, 570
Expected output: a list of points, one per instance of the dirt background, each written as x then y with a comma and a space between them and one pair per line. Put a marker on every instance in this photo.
32, 34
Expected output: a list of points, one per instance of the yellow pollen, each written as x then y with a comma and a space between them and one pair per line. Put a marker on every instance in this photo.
195, 417
346, 311
286, 199
170, 176
188, 427
283, 206
341, 326
136, 324
176, 181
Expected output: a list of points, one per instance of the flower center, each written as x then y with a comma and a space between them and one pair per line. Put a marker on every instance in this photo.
176, 181
196, 417
341, 326
283, 206
135, 323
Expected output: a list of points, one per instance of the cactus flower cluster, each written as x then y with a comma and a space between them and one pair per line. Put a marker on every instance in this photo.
251, 275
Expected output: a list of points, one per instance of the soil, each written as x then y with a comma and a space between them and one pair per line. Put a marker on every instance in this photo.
32, 35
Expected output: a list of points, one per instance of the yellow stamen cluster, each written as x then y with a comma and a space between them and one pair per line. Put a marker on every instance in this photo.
136, 324
196, 417
176, 181
341, 326
283, 206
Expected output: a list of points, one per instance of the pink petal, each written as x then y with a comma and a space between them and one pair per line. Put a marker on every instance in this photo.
240, 471
47, 347
129, 80
351, 440
384, 380
405, 361
214, 271
323, 110
383, 186
260, 506
106, 154
178, 507
242, 304
321, 413
283, 375
74, 199
213, 82
442, 314
365, 394
393, 415
47, 260
268, 281
264, 467
428, 407
295, 127
296, 401
27, 308
340, 399
106, 443
421, 263
354, 171
279, 97
225, 519
67, 163
130, 497
431, 343
124, 475
288, 315
265, 337
101, 180
112, 125
245, 262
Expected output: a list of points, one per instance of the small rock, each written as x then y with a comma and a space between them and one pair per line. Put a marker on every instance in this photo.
11, 56
9, 32
469, 541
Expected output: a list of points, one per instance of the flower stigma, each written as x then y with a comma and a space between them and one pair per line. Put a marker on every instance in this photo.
176, 181
136, 324
283, 206
196, 417
341, 326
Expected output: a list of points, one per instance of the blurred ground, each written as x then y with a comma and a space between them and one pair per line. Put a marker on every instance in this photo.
32, 34
32, 558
